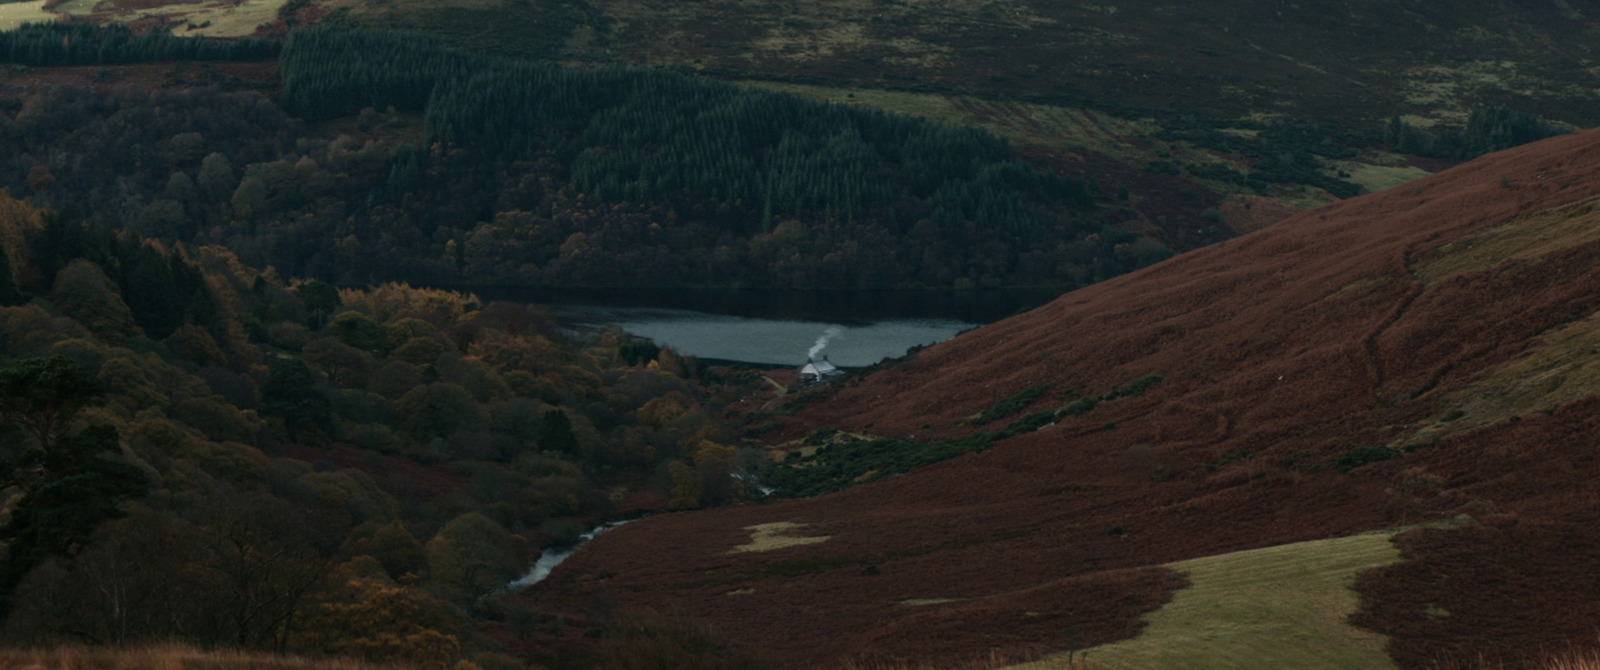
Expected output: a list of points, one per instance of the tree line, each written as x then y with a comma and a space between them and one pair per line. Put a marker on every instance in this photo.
450, 168
1489, 128
649, 138
591, 187
57, 43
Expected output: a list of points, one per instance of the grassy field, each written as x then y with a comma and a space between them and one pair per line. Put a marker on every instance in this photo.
1279, 607
225, 19
774, 536
214, 19
1024, 123
1375, 177
13, 15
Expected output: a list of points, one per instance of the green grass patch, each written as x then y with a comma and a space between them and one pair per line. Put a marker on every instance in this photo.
1134, 388
1012, 404
1230, 459
1080, 406
1027, 424
840, 464
1360, 456
1279, 607
843, 464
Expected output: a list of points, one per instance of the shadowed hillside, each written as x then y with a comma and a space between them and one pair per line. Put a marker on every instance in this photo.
1424, 353
1349, 60
1219, 58
1173, 109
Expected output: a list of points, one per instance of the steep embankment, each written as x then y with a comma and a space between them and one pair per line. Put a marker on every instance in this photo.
1448, 326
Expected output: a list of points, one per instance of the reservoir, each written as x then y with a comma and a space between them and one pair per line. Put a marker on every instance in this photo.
769, 341
850, 329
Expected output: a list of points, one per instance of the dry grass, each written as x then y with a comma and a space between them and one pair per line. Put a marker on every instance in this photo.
1560, 368
13, 15
995, 661
774, 536
223, 19
167, 657
1279, 607
1528, 238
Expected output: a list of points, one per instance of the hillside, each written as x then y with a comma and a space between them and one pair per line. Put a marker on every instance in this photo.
1179, 118
1344, 61
1177, 110
1426, 353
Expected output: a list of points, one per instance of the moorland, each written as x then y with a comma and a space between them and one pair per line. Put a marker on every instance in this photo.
1317, 392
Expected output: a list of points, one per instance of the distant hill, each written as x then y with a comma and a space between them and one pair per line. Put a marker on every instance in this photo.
1178, 114
1133, 94
1360, 59
1427, 353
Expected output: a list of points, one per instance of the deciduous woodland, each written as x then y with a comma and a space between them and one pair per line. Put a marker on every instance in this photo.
207, 453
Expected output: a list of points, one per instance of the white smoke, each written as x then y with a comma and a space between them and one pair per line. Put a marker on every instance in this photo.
822, 341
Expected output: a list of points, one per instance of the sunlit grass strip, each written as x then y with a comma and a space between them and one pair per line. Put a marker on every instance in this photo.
1279, 607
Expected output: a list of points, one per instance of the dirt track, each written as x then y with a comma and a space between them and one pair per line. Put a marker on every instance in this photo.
1296, 344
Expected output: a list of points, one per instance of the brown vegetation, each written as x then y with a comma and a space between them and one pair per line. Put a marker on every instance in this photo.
1283, 353
172, 657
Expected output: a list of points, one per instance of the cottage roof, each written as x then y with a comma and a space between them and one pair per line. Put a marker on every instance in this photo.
818, 368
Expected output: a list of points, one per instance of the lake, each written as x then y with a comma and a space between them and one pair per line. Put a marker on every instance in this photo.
782, 327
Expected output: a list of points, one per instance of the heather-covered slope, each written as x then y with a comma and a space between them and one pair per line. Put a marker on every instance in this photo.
1447, 326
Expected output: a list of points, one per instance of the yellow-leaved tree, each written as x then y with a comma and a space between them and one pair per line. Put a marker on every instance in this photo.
383, 622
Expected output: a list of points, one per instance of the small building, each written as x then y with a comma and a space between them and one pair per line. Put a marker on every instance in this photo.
816, 372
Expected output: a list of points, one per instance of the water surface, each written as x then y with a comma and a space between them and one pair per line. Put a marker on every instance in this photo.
768, 341
855, 328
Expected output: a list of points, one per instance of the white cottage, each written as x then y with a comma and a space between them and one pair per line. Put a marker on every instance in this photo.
816, 371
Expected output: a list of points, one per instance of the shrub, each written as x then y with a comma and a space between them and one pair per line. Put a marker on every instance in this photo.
1012, 404
1364, 456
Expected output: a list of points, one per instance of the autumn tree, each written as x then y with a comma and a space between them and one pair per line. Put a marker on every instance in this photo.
385, 623
83, 292
473, 555
396, 549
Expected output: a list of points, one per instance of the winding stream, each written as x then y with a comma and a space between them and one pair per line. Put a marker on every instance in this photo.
554, 556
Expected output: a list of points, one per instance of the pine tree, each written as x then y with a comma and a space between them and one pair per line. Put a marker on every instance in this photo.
69, 485
555, 433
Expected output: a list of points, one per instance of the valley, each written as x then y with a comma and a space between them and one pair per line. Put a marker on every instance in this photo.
1287, 356
1267, 429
